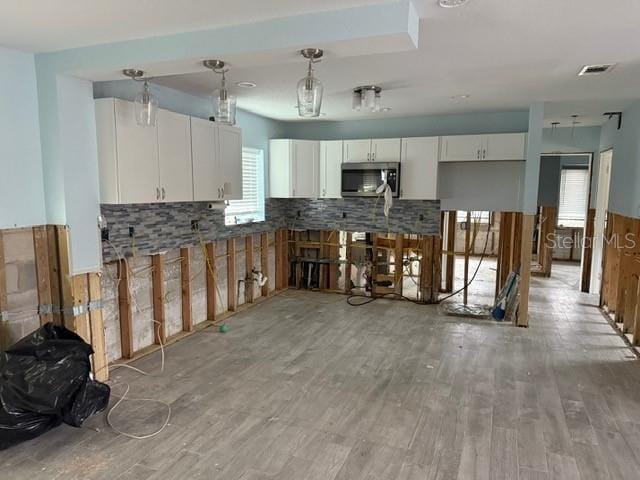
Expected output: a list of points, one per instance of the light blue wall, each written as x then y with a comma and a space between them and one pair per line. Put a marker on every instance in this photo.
420, 126
21, 182
569, 140
624, 197
532, 165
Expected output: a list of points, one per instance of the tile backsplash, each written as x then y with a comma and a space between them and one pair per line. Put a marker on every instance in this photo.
163, 226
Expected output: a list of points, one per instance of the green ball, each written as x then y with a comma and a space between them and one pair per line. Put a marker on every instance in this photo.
224, 328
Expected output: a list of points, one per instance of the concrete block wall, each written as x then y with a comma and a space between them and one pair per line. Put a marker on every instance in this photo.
21, 286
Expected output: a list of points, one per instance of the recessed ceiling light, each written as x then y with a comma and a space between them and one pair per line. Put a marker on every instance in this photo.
246, 84
451, 3
385, 109
464, 96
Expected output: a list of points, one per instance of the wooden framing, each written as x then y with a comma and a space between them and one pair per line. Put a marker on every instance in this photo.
124, 309
587, 258
157, 281
210, 267
41, 252
64, 273
548, 221
232, 286
80, 294
467, 249
334, 254
248, 277
347, 267
54, 273
185, 288
450, 250
264, 261
3, 280
96, 326
398, 259
528, 223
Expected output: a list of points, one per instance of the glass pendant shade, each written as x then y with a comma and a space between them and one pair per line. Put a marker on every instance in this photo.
310, 91
225, 107
146, 107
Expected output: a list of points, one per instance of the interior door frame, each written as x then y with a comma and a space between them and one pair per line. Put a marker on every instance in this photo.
584, 250
597, 272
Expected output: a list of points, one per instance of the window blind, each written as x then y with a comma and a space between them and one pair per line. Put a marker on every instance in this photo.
251, 207
573, 197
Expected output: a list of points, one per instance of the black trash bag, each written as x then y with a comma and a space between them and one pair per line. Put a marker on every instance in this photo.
44, 381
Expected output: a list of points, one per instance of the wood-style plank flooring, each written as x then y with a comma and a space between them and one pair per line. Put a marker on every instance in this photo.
306, 387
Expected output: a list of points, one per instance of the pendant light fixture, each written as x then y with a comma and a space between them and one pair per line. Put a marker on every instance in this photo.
146, 104
224, 103
367, 97
310, 88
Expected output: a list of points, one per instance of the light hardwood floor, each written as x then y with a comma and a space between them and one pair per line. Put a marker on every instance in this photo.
306, 387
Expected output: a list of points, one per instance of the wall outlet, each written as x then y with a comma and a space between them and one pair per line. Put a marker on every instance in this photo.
104, 234
421, 217
132, 231
298, 214
344, 214
195, 225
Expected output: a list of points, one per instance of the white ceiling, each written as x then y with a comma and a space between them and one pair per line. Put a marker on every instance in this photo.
43, 26
505, 54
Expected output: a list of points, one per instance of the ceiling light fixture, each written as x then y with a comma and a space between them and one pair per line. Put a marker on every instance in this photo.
367, 97
246, 84
310, 89
464, 96
145, 103
451, 3
224, 104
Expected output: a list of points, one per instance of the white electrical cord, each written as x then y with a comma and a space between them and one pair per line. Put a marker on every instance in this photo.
123, 397
386, 192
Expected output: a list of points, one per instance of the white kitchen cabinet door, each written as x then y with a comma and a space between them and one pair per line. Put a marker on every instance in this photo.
462, 148
385, 150
357, 151
330, 169
505, 146
280, 165
174, 154
230, 151
137, 151
305, 169
207, 172
419, 168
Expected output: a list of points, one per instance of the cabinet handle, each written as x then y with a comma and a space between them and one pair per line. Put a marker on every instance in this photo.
157, 193
163, 193
484, 154
373, 157
478, 154
368, 157
294, 192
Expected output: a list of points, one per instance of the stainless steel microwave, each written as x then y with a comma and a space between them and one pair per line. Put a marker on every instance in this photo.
363, 179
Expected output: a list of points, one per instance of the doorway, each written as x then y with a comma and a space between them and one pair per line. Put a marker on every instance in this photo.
602, 205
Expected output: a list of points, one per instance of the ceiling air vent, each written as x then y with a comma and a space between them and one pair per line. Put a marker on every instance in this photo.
596, 69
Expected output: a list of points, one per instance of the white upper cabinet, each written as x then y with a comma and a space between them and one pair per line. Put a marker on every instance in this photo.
182, 159
330, 169
469, 148
230, 154
419, 168
128, 155
207, 172
305, 169
506, 146
376, 150
174, 153
385, 150
357, 151
462, 148
293, 168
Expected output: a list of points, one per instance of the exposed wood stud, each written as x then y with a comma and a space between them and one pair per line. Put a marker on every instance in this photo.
347, 267
451, 247
264, 261
66, 283
398, 264
374, 264
124, 307
96, 326
528, 223
41, 251
467, 249
437, 269
210, 266
248, 277
232, 286
54, 273
185, 282
80, 293
157, 281
3, 279
588, 250
279, 273
334, 255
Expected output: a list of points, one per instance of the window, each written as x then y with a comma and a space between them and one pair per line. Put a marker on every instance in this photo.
251, 207
476, 217
574, 190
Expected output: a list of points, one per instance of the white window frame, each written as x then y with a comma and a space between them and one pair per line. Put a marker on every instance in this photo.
251, 208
